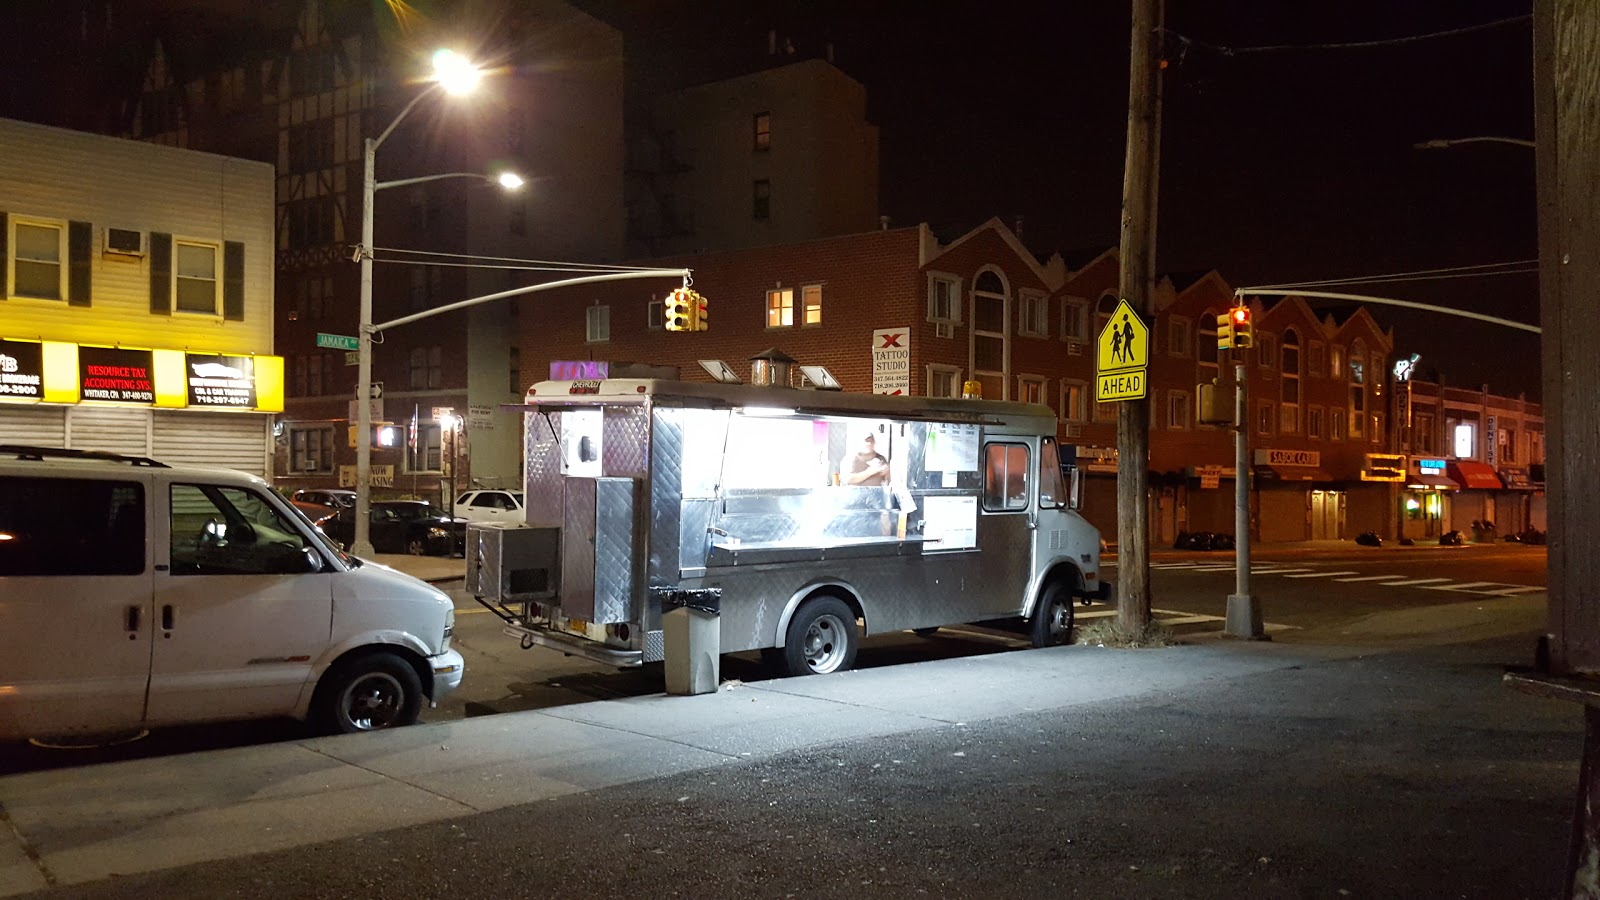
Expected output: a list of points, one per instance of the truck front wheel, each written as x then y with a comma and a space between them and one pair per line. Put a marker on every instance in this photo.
1052, 618
822, 638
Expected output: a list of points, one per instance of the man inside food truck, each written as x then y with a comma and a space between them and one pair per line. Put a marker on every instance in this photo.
868, 468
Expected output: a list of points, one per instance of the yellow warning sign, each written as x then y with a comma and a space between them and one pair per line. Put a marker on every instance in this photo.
1121, 357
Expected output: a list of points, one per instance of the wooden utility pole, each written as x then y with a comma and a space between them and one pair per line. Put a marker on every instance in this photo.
1137, 286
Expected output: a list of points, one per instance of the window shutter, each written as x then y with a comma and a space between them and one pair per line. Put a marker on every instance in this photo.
80, 253
160, 274
233, 281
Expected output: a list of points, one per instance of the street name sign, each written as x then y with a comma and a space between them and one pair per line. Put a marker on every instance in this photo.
337, 341
1122, 357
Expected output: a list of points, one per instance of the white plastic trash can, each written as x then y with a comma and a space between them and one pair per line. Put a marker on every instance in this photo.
692, 637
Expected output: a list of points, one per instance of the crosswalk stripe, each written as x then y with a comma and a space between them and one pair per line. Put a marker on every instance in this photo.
1214, 568
1284, 571
1172, 565
1467, 587
1373, 578
1416, 581
1320, 574
1520, 589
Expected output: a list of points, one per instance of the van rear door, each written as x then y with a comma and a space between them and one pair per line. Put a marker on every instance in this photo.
75, 602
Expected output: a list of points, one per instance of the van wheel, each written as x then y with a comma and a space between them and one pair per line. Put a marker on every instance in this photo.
822, 638
367, 693
1052, 620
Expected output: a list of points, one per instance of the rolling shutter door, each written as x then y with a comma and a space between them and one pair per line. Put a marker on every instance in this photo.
232, 440
33, 426
1283, 514
114, 430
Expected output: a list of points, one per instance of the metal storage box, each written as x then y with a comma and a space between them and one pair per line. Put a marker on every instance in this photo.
510, 564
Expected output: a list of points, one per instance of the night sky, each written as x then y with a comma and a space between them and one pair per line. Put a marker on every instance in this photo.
1276, 166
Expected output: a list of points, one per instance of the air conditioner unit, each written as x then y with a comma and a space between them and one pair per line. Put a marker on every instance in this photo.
124, 242
1074, 348
944, 329
1072, 430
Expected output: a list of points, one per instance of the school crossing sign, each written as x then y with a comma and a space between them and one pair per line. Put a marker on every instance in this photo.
1122, 357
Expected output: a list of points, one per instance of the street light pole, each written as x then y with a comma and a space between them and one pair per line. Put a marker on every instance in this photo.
1244, 610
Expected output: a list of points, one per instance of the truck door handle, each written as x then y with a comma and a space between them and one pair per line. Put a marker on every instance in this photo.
166, 617
133, 619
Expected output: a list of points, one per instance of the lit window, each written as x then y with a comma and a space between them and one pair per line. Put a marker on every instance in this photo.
811, 300
36, 263
780, 308
763, 131
195, 274
1073, 394
1030, 389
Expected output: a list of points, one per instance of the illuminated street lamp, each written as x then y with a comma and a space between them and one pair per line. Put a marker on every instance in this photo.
457, 76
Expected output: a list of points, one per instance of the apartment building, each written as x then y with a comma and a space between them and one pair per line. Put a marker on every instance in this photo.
136, 307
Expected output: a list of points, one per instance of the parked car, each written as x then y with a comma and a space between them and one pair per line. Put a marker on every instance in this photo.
491, 506
416, 527
320, 504
135, 594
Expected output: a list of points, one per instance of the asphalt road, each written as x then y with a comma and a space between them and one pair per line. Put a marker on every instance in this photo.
1305, 603
1412, 774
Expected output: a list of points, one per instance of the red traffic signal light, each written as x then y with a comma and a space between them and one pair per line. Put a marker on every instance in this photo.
1243, 330
678, 315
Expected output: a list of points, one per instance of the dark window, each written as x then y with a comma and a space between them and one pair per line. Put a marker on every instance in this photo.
232, 531
763, 199
1052, 493
63, 526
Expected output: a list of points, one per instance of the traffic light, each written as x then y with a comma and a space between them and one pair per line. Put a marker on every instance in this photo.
679, 314
701, 315
1243, 331
1225, 331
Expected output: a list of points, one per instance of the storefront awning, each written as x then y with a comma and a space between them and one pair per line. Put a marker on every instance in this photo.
1291, 473
1518, 480
1475, 476
1421, 481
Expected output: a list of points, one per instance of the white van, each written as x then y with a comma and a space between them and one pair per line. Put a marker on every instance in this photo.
135, 594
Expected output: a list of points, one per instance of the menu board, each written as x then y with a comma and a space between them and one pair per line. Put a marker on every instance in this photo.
122, 376
220, 381
21, 370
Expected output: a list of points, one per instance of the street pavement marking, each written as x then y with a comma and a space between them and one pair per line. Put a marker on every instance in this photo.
1373, 578
1214, 568
1179, 617
1513, 591
1320, 574
1416, 581
1467, 587
1283, 571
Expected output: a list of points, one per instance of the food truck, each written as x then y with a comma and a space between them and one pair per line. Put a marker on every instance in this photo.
814, 518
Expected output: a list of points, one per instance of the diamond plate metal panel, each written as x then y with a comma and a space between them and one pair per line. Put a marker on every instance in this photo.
655, 646
625, 441
577, 548
665, 491
545, 488
615, 560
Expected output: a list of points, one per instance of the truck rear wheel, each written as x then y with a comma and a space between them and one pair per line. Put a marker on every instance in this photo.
1052, 618
822, 638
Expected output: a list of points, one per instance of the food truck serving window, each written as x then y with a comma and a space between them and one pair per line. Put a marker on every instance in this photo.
1005, 478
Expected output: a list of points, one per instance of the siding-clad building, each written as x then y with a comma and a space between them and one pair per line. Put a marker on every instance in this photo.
136, 308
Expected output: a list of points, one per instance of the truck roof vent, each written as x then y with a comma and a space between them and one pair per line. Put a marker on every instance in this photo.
770, 368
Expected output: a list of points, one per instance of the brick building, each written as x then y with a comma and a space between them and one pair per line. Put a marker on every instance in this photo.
982, 307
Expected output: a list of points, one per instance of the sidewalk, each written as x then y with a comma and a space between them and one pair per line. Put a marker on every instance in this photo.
83, 825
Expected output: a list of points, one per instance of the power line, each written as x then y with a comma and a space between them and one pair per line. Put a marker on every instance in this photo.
1347, 45
1500, 268
569, 265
